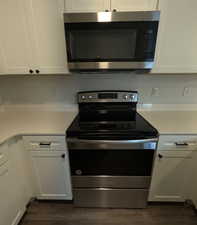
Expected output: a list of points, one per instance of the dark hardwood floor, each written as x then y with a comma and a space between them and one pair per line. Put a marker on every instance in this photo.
60, 213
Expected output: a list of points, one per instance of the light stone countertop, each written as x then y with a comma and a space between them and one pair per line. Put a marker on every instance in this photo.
172, 122
55, 123
33, 123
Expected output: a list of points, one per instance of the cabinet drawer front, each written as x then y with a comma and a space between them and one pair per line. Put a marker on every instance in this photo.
3, 154
174, 154
45, 143
177, 142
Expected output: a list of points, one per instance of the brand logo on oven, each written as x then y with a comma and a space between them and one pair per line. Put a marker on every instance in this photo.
78, 172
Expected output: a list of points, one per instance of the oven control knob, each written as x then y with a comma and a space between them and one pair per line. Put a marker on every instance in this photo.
126, 97
78, 172
90, 96
83, 97
132, 97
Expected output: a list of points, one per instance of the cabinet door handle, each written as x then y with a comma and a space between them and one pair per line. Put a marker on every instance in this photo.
106, 10
37, 71
160, 156
114, 10
63, 156
31, 71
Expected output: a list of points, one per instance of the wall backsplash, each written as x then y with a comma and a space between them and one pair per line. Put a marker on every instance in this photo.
62, 89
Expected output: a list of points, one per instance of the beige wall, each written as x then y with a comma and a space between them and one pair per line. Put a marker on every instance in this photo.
62, 89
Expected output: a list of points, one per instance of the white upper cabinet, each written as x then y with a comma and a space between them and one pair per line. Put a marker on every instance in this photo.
133, 5
110, 5
32, 37
176, 46
48, 32
15, 45
87, 5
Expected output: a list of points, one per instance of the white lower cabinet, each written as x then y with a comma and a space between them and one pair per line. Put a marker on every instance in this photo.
170, 176
50, 167
172, 171
8, 212
52, 175
12, 185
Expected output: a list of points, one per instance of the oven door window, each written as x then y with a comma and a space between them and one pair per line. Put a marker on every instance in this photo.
111, 162
108, 42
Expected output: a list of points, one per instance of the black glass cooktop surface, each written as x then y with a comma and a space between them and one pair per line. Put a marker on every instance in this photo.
136, 128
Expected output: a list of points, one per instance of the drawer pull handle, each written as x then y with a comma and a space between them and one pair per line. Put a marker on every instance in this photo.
63, 156
43, 144
181, 144
160, 156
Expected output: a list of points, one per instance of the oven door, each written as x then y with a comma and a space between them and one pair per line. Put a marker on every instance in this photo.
109, 159
111, 45
113, 174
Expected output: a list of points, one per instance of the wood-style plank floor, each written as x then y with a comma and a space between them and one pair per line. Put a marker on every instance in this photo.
60, 213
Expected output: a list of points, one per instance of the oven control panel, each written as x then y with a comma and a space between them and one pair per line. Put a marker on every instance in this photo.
108, 96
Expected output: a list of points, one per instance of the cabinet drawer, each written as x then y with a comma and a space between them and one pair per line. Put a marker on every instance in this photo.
3, 154
45, 143
177, 142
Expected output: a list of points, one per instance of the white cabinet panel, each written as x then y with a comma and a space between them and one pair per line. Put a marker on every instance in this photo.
133, 5
6, 201
193, 187
176, 46
86, 5
52, 175
10, 210
48, 30
15, 45
170, 176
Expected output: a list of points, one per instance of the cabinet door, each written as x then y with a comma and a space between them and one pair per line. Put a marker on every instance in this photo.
46, 21
18, 161
86, 5
10, 212
170, 174
176, 46
15, 45
133, 5
52, 175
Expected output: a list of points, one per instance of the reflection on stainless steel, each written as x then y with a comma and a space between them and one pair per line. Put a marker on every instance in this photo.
75, 143
112, 16
112, 198
109, 65
104, 17
111, 181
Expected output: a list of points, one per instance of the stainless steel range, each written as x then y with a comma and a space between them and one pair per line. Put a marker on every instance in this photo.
111, 151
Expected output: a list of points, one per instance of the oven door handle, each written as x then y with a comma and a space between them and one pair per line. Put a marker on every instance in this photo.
75, 143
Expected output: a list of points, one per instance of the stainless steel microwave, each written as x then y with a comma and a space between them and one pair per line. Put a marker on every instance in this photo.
111, 40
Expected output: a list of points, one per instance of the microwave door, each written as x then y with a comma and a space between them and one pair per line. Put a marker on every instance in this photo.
111, 46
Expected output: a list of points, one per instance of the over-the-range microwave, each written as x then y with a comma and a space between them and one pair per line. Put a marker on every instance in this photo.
111, 40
